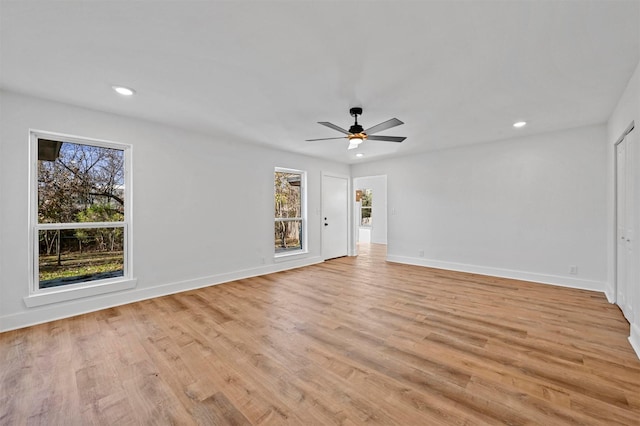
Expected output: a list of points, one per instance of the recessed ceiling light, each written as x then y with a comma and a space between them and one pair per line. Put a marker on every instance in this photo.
519, 124
359, 154
125, 91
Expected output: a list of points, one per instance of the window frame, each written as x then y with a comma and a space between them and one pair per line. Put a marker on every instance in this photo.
303, 211
40, 296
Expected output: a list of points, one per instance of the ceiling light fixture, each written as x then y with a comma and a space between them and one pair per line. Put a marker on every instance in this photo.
124, 91
519, 124
356, 139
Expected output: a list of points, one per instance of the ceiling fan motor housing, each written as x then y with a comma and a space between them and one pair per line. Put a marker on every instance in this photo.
356, 128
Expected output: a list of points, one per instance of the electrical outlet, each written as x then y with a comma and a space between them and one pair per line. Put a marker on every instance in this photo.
262, 260
421, 253
573, 269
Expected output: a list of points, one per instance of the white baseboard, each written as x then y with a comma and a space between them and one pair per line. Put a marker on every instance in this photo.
85, 305
503, 273
611, 297
634, 338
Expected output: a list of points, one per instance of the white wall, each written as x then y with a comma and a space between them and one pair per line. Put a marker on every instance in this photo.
378, 186
626, 111
523, 208
210, 197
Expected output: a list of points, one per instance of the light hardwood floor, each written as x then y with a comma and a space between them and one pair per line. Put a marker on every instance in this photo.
350, 341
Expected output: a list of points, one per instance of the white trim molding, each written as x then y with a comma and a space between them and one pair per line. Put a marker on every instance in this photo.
503, 273
611, 297
634, 338
39, 296
304, 219
71, 292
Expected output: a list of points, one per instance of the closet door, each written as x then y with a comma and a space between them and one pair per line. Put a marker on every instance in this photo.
621, 201
627, 202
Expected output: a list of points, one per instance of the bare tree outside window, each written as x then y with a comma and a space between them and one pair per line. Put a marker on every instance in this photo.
81, 191
288, 192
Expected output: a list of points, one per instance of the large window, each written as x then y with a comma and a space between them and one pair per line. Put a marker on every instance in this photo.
290, 221
80, 212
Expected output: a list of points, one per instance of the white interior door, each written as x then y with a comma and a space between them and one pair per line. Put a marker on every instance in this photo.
627, 200
621, 202
335, 216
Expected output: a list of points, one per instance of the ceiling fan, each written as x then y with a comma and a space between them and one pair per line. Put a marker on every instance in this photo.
356, 134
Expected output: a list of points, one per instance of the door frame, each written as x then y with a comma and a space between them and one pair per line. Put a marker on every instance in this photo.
613, 298
350, 198
356, 218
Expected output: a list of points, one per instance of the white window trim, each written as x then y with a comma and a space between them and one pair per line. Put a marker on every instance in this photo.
303, 200
39, 297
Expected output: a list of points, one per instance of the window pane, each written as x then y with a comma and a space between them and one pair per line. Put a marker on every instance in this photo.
288, 235
71, 256
367, 197
79, 183
288, 194
366, 216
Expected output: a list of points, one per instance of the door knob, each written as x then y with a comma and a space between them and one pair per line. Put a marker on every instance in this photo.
326, 224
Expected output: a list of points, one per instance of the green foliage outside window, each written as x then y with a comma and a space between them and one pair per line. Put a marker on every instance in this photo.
365, 207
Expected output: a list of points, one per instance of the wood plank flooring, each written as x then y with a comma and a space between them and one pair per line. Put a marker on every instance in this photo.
349, 341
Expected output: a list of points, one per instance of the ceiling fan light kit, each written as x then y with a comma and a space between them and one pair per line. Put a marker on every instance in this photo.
357, 134
354, 142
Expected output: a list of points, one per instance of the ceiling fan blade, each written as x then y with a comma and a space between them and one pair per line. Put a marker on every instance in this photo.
386, 138
393, 122
325, 139
333, 126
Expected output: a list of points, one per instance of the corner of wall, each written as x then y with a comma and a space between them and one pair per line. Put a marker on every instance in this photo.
634, 338
610, 293
503, 273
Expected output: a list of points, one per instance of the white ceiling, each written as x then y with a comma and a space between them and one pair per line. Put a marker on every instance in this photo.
265, 72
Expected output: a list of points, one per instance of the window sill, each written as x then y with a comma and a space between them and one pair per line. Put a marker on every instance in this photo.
282, 257
66, 294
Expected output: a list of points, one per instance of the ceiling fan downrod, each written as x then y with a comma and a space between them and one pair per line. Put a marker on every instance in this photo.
356, 129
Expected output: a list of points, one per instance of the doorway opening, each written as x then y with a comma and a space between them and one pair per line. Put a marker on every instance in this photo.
370, 212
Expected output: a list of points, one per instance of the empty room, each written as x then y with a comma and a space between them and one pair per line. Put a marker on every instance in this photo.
320, 212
